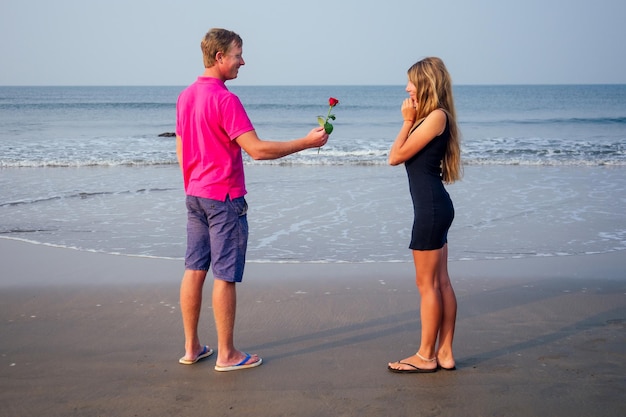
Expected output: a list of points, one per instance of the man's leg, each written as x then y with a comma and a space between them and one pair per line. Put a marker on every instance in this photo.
224, 309
190, 305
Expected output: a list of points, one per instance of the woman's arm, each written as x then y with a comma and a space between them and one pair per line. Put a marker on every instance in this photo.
406, 146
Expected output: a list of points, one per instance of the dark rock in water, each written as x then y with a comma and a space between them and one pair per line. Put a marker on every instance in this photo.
167, 135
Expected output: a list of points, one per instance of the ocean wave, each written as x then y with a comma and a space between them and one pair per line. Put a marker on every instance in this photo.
539, 163
329, 161
602, 120
467, 257
78, 195
83, 163
85, 106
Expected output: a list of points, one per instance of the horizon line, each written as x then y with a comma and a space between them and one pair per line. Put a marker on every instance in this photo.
315, 85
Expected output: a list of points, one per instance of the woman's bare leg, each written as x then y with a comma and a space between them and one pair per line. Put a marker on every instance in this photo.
427, 269
444, 353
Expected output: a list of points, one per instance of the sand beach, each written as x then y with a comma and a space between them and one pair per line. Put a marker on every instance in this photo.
91, 334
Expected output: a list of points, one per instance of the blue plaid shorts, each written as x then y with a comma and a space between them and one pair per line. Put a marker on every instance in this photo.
217, 235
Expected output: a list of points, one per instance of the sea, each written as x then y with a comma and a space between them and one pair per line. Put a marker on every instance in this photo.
94, 169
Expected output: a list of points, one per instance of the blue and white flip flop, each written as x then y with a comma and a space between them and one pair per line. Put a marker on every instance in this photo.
206, 352
240, 365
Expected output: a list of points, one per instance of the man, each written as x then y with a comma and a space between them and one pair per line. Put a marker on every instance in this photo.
211, 129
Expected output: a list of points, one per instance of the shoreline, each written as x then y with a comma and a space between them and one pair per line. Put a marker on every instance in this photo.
91, 334
335, 214
11, 249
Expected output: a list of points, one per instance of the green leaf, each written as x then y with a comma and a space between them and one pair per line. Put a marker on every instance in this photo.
328, 128
331, 116
320, 120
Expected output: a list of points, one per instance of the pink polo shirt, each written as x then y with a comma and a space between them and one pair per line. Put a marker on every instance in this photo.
208, 119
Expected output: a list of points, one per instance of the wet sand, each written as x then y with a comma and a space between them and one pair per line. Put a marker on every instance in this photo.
88, 334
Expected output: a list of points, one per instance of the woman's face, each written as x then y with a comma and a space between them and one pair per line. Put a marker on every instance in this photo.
412, 90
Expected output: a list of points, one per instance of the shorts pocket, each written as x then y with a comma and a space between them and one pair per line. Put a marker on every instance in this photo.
240, 206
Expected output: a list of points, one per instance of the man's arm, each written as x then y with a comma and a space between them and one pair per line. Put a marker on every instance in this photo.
179, 151
259, 149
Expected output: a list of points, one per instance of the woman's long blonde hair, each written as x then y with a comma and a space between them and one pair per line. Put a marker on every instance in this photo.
434, 91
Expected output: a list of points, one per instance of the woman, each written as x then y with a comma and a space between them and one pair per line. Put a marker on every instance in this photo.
428, 144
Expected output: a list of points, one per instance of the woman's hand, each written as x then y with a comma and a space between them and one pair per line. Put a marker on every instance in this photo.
409, 113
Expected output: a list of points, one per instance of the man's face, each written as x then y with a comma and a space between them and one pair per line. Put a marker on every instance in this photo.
231, 61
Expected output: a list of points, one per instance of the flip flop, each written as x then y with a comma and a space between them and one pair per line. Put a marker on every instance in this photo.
240, 365
206, 352
415, 369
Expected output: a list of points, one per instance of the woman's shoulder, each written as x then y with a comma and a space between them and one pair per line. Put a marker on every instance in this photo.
438, 114
438, 119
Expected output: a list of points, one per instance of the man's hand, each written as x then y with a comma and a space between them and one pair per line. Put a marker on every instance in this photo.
316, 138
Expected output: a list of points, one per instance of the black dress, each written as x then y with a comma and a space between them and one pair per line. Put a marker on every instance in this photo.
432, 206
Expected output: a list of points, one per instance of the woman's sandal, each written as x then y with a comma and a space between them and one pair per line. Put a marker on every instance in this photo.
415, 369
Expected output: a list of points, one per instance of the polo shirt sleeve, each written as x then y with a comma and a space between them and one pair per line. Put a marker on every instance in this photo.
235, 120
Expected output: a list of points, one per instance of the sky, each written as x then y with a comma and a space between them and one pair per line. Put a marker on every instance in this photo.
295, 42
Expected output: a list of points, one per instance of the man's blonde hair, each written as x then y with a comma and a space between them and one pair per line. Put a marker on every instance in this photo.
218, 40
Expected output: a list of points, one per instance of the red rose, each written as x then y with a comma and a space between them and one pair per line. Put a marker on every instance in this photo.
324, 122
